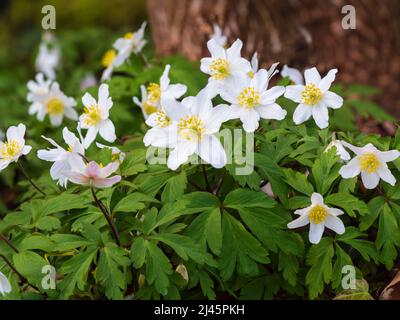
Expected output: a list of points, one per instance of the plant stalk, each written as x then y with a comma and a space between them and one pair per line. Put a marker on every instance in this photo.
29, 178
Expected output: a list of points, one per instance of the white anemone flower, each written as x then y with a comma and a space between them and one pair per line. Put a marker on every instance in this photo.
95, 117
5, 286
48, 59
293, 74
37, 91
116, 154
198, 122
371, 163
251, 100
314, 98
108, 62
61, 157
56, 104
218, 36
340, 150
224, 63
132, 42
155, 93
163, 129
319, 216
14, 147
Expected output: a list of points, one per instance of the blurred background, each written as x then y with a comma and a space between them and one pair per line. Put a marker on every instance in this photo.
299, 33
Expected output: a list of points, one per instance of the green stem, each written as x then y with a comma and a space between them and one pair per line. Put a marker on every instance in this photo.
208, 187
29, 178
108, 217
8, 242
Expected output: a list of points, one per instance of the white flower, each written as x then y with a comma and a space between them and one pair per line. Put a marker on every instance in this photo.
319, 216
130, 43
218, 36
163, 129
95, 117
251, 100
61, 157
314, 98
54, 103
108, 62
155, 94
371, 163
116, 154
254, 63
14, 147
340, 150
197, 124
48, 58
293, 74
5, 286
224, 63
37, 90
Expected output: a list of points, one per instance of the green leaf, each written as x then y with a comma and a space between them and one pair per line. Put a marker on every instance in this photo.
325, 170
30, 265
174, 188
239, 248
138, 252
48, 223
110, 271
348, 203
133, 202
319, 258
246, 198
289, 266
134, 163
298, 181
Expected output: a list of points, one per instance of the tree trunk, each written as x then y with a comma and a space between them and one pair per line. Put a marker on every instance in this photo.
300, 33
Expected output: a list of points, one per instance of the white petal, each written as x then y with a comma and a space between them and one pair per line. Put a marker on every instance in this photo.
180, 155
333, 100
56, 120
212, 151
273, 111
357, 150
335, 211
293, 74
312, 76
269, 96
335, 224
302, 113
326, 82
299, 222
177, 90
317, 198
90, 136
250, 120
351, 169
385, 174
294, 93
107, 130
5, 286
219, 115
71, 113
215, 49
234, 50
370, 180
88, 100
387, 156
316, 231
164, 80
321, 116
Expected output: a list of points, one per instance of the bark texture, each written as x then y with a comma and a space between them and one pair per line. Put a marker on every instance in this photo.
299, 33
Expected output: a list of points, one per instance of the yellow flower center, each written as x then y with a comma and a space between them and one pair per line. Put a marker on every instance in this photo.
115, 156
318, 214
162, 119
128, 35
149, 108
251, 74
54, 107
108, 58
220, 69
191, 128
369, 162
154, 92
69, 149
249, 98
311, 95
92, 115
10, 149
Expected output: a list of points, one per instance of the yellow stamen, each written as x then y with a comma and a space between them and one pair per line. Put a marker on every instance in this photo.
220, 69
251, 74
249, 98
115, 156
162, 119
318, 214
108, 58
128, 35
92, 115
153, 92
149, 108
10, 149
369, 162
69, 149
191, 128
311, 95
54, 107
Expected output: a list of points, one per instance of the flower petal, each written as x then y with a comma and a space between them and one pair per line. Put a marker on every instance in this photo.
370, 180
326, 82
272, 111
317, 198
333, 100
250, 120
299, 222
335, 224
320, 115
107, 130
316, 231
212, 151
302, 113
385, 174
387, 156
351, 169
294, 93
312, 76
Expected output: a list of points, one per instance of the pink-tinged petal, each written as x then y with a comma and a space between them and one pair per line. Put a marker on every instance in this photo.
108, 169
93, 169
77, 178
106, 182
